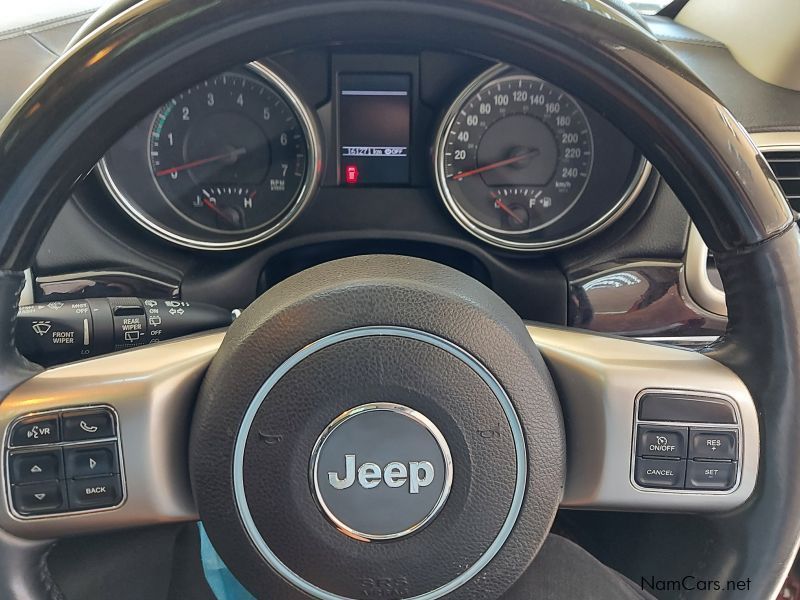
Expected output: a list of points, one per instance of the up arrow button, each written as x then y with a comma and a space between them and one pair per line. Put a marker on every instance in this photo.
31, 466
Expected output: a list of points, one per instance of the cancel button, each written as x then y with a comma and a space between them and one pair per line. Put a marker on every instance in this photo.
660, 473
662, 442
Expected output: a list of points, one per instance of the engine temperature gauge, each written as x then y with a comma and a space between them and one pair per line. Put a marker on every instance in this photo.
227, 207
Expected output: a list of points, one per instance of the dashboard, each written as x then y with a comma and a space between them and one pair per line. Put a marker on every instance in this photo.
234, 161
609, 252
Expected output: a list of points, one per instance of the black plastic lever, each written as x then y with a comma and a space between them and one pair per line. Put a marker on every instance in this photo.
61, 332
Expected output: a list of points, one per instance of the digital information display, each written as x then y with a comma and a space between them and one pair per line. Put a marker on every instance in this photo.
374, 129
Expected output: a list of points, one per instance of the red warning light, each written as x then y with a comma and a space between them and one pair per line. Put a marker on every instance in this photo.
351, 174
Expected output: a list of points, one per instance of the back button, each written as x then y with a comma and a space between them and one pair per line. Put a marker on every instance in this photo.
98, 492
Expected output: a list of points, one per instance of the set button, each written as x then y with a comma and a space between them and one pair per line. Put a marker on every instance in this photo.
710, 475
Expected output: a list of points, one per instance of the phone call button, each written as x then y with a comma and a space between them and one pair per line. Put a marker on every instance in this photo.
87, 425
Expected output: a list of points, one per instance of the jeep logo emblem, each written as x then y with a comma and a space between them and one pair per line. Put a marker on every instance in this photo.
418, 474
381, 471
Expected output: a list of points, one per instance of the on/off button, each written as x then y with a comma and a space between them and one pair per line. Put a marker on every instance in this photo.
662, 442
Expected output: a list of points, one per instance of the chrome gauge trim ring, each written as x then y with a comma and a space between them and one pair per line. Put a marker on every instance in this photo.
632, 192
307, 190
458, 352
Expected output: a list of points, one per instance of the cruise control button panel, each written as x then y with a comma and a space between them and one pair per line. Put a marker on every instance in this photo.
681, 454
55, 466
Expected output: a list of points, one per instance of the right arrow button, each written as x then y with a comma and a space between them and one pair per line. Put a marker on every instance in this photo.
91, 460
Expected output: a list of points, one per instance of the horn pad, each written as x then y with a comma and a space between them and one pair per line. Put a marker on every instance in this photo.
378, 427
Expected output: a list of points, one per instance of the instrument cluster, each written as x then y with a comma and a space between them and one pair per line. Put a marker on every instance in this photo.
232, 161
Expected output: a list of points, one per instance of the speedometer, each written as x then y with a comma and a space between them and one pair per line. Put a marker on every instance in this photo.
513, 157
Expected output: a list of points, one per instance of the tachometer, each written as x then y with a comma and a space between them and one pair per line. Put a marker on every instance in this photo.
229, 154
514, 156
228, 162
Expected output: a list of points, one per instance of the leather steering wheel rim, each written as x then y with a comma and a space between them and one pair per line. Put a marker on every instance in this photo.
64, 123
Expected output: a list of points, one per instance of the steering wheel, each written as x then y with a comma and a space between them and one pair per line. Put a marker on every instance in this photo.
383, 426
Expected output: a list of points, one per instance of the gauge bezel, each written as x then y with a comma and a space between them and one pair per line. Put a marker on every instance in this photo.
489, 235
308, 188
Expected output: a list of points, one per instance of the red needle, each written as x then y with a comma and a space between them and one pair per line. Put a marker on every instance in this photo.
216, 209
496, 165
202, 161
502, 206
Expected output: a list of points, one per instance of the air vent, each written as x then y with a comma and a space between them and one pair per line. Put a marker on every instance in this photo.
786, 166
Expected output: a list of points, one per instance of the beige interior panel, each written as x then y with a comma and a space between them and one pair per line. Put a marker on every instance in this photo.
762, 35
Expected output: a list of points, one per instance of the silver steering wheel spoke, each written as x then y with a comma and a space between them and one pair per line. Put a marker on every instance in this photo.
150, 392
600, 381
692, 447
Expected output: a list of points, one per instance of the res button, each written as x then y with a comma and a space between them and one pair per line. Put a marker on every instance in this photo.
719, 445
